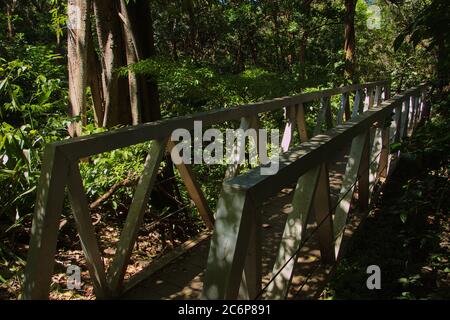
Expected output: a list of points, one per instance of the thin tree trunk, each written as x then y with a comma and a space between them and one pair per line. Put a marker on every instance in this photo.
95, 81
10, 7
132, 58
77, 61
349, 48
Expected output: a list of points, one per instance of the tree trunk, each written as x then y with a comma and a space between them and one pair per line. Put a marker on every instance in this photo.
78, 27
349, 48
10, 7
349, 45
111, 45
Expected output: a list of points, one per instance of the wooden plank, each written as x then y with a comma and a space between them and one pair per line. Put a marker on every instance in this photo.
356, 103
85, 146
44, 230
135, 216
371, 98
344, 109
324, 219
385, 152
288, 130
375, 154
377, 99
80, 208
301, 123
194, 189
360, 147
405, 118
302, 203
364, 179
328, 114
397, 123
229, 245
251, 284
324, 116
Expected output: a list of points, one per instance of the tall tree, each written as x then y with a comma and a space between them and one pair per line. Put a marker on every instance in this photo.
349, 48
78, 29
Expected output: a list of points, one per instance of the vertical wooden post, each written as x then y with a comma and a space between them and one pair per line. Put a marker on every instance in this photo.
80, 207
229, 245
135, 216
357, 163
44, 231
344, 108
324, 219
194, 189
301, 123
385, 153
378, 99
302, 203
364, 178
288, 130
251, 284
357, 103
405, 120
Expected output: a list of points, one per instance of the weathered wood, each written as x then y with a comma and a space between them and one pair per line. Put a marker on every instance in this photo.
377, 99
375, 154
251, 284
364, 178
355, 164
81, 147
80, 208
405, 118
343, 109
301, 123
383, 168
357, 103
324, 218
328, 115
194, 189
135, 216
44, 231
302, 203
229, 245
324, 116
289, 128
371, 100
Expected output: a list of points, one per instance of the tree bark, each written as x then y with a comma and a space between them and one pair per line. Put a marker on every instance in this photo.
77, 61
111, 45
349, 48
350, 43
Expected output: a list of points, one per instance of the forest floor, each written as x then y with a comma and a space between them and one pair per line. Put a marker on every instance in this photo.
155, 239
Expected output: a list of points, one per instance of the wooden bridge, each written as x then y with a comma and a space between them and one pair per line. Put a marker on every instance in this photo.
272, 236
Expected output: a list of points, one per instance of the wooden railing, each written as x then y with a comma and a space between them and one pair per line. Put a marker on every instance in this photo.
235, 258
60, 169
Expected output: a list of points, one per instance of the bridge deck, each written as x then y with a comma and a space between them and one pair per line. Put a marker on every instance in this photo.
183, 278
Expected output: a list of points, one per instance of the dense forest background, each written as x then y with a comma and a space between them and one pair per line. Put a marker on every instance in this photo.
71, 68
